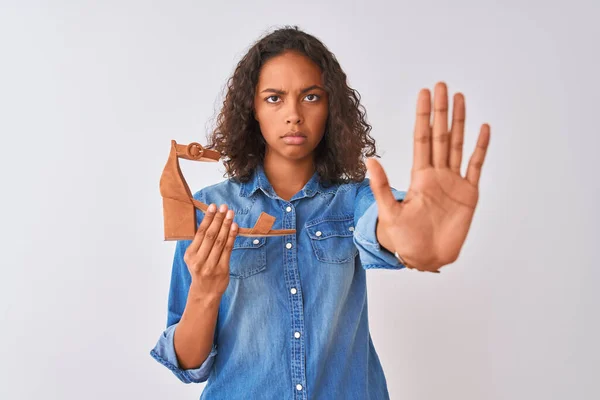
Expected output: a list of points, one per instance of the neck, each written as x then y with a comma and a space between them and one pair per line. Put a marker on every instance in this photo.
287, 176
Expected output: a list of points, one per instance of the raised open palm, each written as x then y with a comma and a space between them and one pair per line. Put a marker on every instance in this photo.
429, 228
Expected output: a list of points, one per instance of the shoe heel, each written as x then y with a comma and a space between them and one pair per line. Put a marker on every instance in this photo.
179, 219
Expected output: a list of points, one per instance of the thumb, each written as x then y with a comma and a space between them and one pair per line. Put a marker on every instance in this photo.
380, 186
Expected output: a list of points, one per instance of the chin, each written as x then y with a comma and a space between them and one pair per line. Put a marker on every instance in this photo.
296, 153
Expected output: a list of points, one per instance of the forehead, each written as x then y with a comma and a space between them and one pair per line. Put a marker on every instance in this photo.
289, 70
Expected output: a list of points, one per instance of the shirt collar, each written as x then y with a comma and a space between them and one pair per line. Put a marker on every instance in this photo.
259, 180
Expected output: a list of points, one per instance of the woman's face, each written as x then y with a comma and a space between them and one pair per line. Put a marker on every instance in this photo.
290, 100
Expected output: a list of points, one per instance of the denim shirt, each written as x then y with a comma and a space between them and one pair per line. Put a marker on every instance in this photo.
293, 322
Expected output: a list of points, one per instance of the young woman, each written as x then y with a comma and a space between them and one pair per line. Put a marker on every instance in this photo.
286, 317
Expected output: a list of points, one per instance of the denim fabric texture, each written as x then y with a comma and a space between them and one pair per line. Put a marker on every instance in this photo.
293, 322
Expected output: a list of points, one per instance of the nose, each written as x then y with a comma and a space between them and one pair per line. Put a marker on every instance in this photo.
294, 115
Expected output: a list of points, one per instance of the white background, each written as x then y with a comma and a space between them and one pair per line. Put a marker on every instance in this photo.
91, 93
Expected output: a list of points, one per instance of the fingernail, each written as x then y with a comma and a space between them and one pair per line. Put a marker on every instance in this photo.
229, 214
212, 208
222, 208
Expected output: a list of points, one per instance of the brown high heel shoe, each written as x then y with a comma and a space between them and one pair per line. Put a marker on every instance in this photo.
179, 205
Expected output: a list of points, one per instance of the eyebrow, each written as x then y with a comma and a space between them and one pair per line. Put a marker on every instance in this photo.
282, 92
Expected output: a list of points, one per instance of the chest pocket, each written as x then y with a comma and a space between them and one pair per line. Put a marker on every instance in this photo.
248, 257
332, 239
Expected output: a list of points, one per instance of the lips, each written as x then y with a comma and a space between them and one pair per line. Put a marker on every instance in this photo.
294, 138
294, 134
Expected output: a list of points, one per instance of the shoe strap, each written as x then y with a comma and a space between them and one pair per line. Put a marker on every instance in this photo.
195, 152
263, 224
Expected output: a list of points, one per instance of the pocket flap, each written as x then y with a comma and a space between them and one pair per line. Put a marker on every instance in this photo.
244, 242
329, 227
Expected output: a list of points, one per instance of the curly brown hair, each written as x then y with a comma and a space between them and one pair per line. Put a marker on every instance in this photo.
237, 136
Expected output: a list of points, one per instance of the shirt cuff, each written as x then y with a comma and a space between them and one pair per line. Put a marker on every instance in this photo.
164, 353
372, 255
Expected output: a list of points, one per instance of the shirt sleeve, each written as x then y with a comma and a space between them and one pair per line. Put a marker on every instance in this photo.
164, 351
372, 255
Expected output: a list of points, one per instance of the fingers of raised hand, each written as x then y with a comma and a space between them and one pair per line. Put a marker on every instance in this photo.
380, 187
441, 134
435, 144
422, 134
476, 161
457, 132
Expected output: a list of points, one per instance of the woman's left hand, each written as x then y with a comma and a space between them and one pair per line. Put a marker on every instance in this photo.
429, 228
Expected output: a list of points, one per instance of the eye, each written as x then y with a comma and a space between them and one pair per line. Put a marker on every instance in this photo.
315, 96
270, 97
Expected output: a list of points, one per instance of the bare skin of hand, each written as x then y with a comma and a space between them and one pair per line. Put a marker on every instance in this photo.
207, 256
429, 228
207, 259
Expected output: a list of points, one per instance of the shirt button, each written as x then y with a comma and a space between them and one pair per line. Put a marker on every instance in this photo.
351, 229
293, 290
288, 246
318, 233
297, 335
298, 387
288, 209
256, 241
